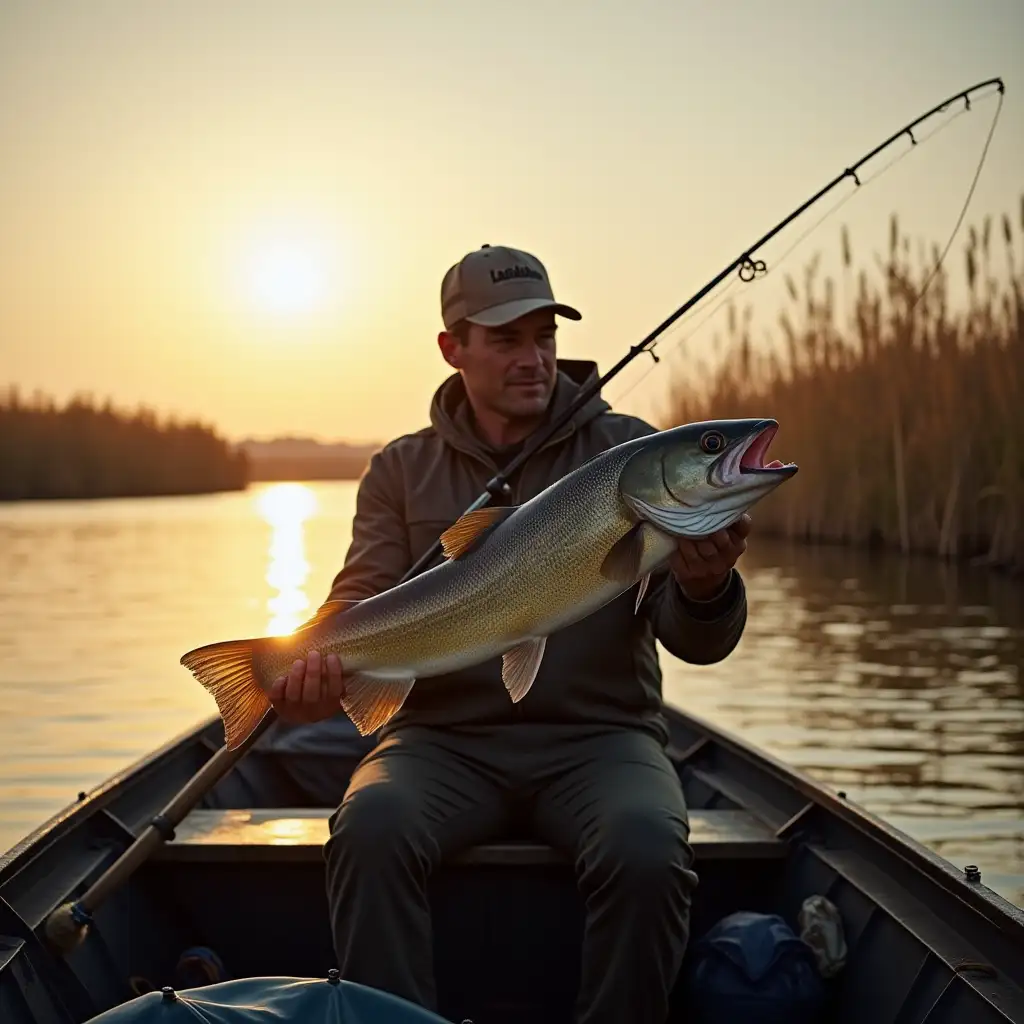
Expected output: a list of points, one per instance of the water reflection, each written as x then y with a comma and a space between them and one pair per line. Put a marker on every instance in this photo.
286, 507
896, 680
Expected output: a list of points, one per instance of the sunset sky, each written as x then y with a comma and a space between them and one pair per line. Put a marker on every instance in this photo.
242, 211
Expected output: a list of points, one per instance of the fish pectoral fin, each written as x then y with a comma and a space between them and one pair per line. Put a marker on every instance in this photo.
640, 593
225, 670
622, 563
371, 701
472, 527
519, 666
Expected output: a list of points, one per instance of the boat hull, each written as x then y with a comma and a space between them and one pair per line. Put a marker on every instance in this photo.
244, 876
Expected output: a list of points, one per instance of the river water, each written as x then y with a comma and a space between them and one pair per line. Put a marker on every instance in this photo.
900, 682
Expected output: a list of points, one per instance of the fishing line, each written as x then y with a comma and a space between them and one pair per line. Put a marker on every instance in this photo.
967, 202
867, 181
859, 184
678, 343
744, 266
895, 160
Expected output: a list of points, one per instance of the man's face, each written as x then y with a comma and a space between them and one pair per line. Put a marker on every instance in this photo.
509, 370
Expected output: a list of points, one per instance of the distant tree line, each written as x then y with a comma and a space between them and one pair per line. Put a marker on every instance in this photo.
296, 458
907, 421
86, 450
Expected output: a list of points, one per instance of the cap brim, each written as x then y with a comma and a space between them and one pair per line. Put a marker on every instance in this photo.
498, 316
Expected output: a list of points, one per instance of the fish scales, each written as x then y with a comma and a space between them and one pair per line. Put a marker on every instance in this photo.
513, 577
531, 562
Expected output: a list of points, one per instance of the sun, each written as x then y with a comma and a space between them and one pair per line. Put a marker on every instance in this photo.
286, 276
288, 269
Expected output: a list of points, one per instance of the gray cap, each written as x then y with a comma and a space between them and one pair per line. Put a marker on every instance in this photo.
494, 285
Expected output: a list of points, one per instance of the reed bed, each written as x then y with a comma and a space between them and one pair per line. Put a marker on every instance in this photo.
905, 416
87, 450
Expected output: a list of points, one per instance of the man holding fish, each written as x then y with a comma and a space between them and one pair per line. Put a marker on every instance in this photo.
519, 681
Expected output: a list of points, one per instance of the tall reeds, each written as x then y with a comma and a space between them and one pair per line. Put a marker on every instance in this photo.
908, 421
84, 450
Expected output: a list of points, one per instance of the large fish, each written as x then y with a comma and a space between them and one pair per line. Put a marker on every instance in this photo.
512, 576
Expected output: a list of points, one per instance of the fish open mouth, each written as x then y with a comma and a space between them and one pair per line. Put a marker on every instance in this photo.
752, 459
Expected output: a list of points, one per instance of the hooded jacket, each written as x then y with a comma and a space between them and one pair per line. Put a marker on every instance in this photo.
602, 671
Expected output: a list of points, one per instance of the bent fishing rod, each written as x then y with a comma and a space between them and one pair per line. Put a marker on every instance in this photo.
747, 267
68, 924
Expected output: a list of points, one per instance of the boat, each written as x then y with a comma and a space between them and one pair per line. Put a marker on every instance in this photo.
242, 879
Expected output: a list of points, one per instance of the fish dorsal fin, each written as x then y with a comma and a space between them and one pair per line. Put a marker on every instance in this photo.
468, 529
325, 611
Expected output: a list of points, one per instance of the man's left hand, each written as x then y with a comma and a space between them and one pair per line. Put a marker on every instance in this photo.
701, 567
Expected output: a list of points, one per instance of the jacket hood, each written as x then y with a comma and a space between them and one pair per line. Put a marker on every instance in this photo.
451, 417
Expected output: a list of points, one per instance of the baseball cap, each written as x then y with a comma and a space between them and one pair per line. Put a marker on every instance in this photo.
494, 285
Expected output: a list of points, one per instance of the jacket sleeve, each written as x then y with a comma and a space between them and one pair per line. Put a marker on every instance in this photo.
379, 553
699, 632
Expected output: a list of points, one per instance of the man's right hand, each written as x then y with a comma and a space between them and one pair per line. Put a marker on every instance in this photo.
307, 693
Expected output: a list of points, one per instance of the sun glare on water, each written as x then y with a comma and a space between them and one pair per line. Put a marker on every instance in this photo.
286, 507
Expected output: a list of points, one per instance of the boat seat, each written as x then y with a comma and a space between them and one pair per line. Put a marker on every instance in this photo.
282, 834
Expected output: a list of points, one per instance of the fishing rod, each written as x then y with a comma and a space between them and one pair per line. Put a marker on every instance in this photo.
68, 924
747, 267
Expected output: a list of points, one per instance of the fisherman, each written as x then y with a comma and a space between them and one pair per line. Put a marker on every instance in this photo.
582, 756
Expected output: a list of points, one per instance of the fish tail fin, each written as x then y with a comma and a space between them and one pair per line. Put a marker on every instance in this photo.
226, 671
371, 702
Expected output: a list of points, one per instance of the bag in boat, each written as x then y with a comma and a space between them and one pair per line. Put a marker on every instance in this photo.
753, 968
266, 1000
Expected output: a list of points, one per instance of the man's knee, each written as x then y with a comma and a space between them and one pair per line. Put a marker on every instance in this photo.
640, 850
378, 824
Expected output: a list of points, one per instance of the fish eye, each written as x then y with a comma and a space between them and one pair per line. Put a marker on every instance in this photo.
712, 441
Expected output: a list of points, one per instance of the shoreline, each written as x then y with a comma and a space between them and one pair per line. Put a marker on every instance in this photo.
123, 495
973, 556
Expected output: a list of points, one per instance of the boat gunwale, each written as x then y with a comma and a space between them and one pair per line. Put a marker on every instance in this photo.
77, 812
990, 905
996, 909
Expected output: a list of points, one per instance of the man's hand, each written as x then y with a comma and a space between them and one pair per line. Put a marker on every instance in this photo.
307, 693
701, 567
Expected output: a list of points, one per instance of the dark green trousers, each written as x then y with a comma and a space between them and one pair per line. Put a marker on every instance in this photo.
611, 801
